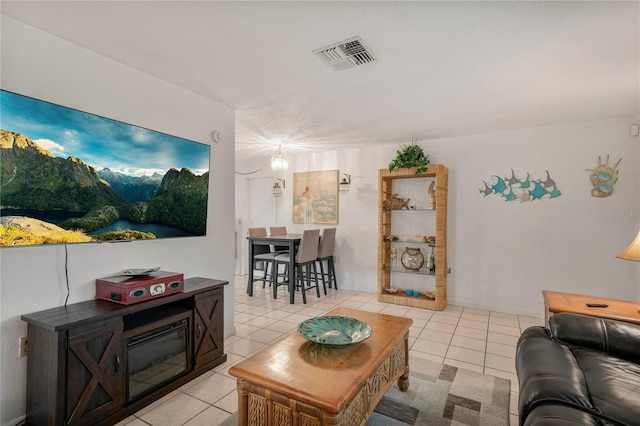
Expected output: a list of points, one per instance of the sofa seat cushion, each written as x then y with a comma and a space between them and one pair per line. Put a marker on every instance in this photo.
613, 385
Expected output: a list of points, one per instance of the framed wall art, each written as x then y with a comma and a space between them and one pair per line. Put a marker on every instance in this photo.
315, 197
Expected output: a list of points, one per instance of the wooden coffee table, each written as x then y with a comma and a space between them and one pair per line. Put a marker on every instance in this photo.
622, 310
297, 382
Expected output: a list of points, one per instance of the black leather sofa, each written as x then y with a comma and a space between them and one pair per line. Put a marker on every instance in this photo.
582, 370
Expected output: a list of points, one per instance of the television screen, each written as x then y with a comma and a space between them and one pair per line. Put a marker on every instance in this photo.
68, 176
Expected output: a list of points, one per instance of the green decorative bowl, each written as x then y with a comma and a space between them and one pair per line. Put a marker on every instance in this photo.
334, 330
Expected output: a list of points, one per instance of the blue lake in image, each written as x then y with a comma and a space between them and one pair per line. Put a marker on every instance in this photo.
55, 217
160, 231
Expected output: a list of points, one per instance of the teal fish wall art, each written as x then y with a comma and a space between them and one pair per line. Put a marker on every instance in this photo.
514, 188
603, 178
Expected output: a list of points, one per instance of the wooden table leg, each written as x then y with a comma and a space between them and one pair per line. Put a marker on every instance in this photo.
243, 404
403, 381
250, 281
292, 272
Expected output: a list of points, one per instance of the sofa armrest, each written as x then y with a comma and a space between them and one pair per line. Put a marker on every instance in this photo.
548, 374
616, 338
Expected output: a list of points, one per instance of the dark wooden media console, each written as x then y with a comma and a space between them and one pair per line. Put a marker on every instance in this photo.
77, 367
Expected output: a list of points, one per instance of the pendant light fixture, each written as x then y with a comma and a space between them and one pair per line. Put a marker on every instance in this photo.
278, 161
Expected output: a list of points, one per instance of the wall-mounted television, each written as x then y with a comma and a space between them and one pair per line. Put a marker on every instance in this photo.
68, 176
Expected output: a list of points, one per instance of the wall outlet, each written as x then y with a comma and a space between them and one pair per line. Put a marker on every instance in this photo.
22, 346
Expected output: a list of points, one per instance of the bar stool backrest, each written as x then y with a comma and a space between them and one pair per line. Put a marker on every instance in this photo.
308, 250
278, 230
257, 232
326, 243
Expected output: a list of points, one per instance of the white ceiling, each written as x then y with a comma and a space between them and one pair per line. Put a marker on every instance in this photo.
444, 68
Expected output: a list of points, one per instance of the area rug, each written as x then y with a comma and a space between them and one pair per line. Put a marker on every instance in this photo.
440, 394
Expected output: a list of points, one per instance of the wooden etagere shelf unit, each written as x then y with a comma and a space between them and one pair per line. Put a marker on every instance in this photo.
437, 281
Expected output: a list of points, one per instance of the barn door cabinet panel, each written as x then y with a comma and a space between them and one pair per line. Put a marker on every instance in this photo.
77, 361
95, 378
208, 327
415, 208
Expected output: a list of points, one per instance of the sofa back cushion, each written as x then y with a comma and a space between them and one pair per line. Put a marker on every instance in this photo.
617, 338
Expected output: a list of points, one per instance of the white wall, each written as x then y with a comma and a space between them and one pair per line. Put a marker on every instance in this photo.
502, 255
45, 67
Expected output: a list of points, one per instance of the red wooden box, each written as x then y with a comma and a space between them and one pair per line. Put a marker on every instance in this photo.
127, 290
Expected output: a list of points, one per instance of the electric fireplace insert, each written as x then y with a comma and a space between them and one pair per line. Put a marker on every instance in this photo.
157, 351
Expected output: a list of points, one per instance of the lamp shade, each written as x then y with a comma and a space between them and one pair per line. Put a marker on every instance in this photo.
277, 189
344, 184
633, 251
344, 187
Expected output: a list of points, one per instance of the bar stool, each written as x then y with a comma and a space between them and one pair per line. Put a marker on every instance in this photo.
305, 265
276, 231
325, 253
261, 254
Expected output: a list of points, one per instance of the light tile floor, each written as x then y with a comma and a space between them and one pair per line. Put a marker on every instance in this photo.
475, 339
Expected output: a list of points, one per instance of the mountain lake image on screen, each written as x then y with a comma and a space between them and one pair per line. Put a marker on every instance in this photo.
68, 176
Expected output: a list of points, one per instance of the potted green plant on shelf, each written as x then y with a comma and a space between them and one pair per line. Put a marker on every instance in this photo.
410, 156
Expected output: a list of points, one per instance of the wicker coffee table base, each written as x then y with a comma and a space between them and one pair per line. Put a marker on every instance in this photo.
259, 406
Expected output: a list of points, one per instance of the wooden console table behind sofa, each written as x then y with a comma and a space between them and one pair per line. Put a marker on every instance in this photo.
621, 310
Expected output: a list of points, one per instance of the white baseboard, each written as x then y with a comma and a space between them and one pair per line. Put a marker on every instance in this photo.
17, 421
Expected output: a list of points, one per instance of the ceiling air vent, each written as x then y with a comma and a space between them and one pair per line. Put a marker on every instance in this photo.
345, 54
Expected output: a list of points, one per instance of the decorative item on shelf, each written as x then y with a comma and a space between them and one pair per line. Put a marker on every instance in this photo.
391, 290
393, 255
277, 189
431, 239
412, 259
278, 160
409, 292
390, 238
412, 238
396, 203
431, 262
410, 156
431, 265
429, 294
432, 193
345, 184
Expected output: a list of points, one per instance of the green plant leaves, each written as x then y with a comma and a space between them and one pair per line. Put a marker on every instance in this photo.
410, 156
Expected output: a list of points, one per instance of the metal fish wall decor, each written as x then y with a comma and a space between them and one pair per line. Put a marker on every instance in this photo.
515, 188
